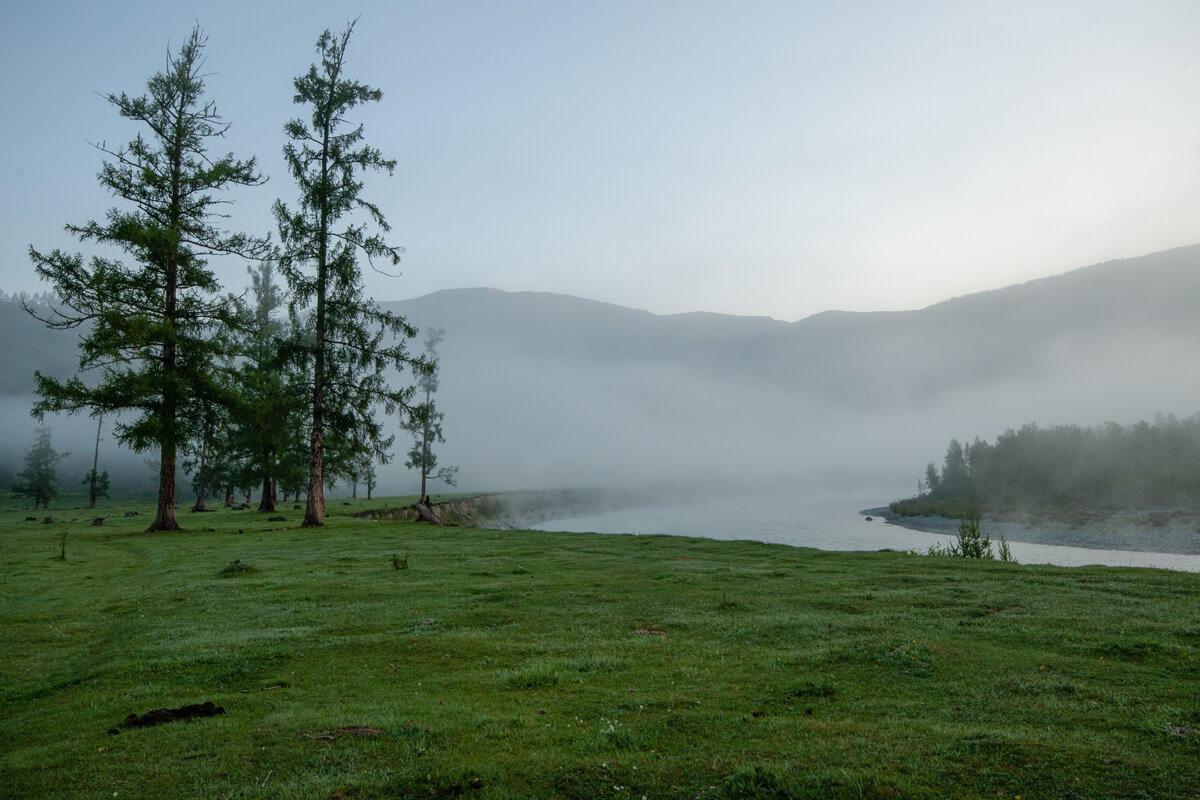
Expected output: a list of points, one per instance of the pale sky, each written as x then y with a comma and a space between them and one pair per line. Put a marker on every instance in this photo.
749, 157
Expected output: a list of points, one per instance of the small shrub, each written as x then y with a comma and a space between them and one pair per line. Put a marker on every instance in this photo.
972, 542
910, 658
236, 567
1006, 551
398, 562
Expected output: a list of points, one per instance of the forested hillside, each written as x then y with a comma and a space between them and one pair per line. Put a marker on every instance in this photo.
1145, 465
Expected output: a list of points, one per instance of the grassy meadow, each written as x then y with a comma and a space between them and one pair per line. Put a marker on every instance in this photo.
391, 659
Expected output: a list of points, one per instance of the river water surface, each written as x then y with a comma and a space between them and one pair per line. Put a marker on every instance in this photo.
830, 521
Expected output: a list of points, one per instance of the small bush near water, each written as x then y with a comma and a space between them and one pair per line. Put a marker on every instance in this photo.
972, 542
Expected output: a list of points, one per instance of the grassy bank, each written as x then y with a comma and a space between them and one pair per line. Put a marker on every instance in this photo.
527, 664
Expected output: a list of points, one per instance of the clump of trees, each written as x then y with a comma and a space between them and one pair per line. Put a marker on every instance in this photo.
242, 396
1106, 467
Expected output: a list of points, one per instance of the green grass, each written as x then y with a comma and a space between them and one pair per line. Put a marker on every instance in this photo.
529, 664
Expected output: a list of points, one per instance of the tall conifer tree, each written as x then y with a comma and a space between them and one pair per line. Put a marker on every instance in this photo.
352, 340
149, 325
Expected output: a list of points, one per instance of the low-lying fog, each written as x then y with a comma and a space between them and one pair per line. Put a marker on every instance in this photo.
544, 391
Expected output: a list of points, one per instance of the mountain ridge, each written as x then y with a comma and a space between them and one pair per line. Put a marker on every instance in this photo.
1081, 347
544, 390
969, 336
1169, 258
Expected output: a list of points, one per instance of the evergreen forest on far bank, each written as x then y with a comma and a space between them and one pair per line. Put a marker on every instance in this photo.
1058, 469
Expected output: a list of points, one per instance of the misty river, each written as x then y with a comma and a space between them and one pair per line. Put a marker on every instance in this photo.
829, 521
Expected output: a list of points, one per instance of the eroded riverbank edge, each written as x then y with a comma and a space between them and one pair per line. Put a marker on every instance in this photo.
516, 510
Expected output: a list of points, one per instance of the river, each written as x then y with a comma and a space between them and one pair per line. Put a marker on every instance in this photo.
829, 521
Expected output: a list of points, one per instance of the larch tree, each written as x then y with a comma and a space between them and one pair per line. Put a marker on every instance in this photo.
148, 325
351, 340
424, 422
39, 478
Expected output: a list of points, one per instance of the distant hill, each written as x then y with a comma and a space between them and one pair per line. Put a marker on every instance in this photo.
544, 390
999, 335
754, 395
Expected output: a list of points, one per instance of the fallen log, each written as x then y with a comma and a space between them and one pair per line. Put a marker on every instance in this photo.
426, 514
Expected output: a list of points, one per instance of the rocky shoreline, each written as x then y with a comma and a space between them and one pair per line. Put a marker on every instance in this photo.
1145, 531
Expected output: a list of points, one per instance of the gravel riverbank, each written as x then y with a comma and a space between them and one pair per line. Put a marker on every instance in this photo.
1145, 531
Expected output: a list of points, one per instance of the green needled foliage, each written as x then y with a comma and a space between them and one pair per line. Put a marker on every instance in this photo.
39, 478
152, 328
352, 341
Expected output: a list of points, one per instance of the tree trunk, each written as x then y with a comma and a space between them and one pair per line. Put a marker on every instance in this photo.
164, 518
314, 512
201, 489
267, 501
424, 472
95, 463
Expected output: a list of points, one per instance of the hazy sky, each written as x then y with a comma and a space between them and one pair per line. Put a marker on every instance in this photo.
773, 158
